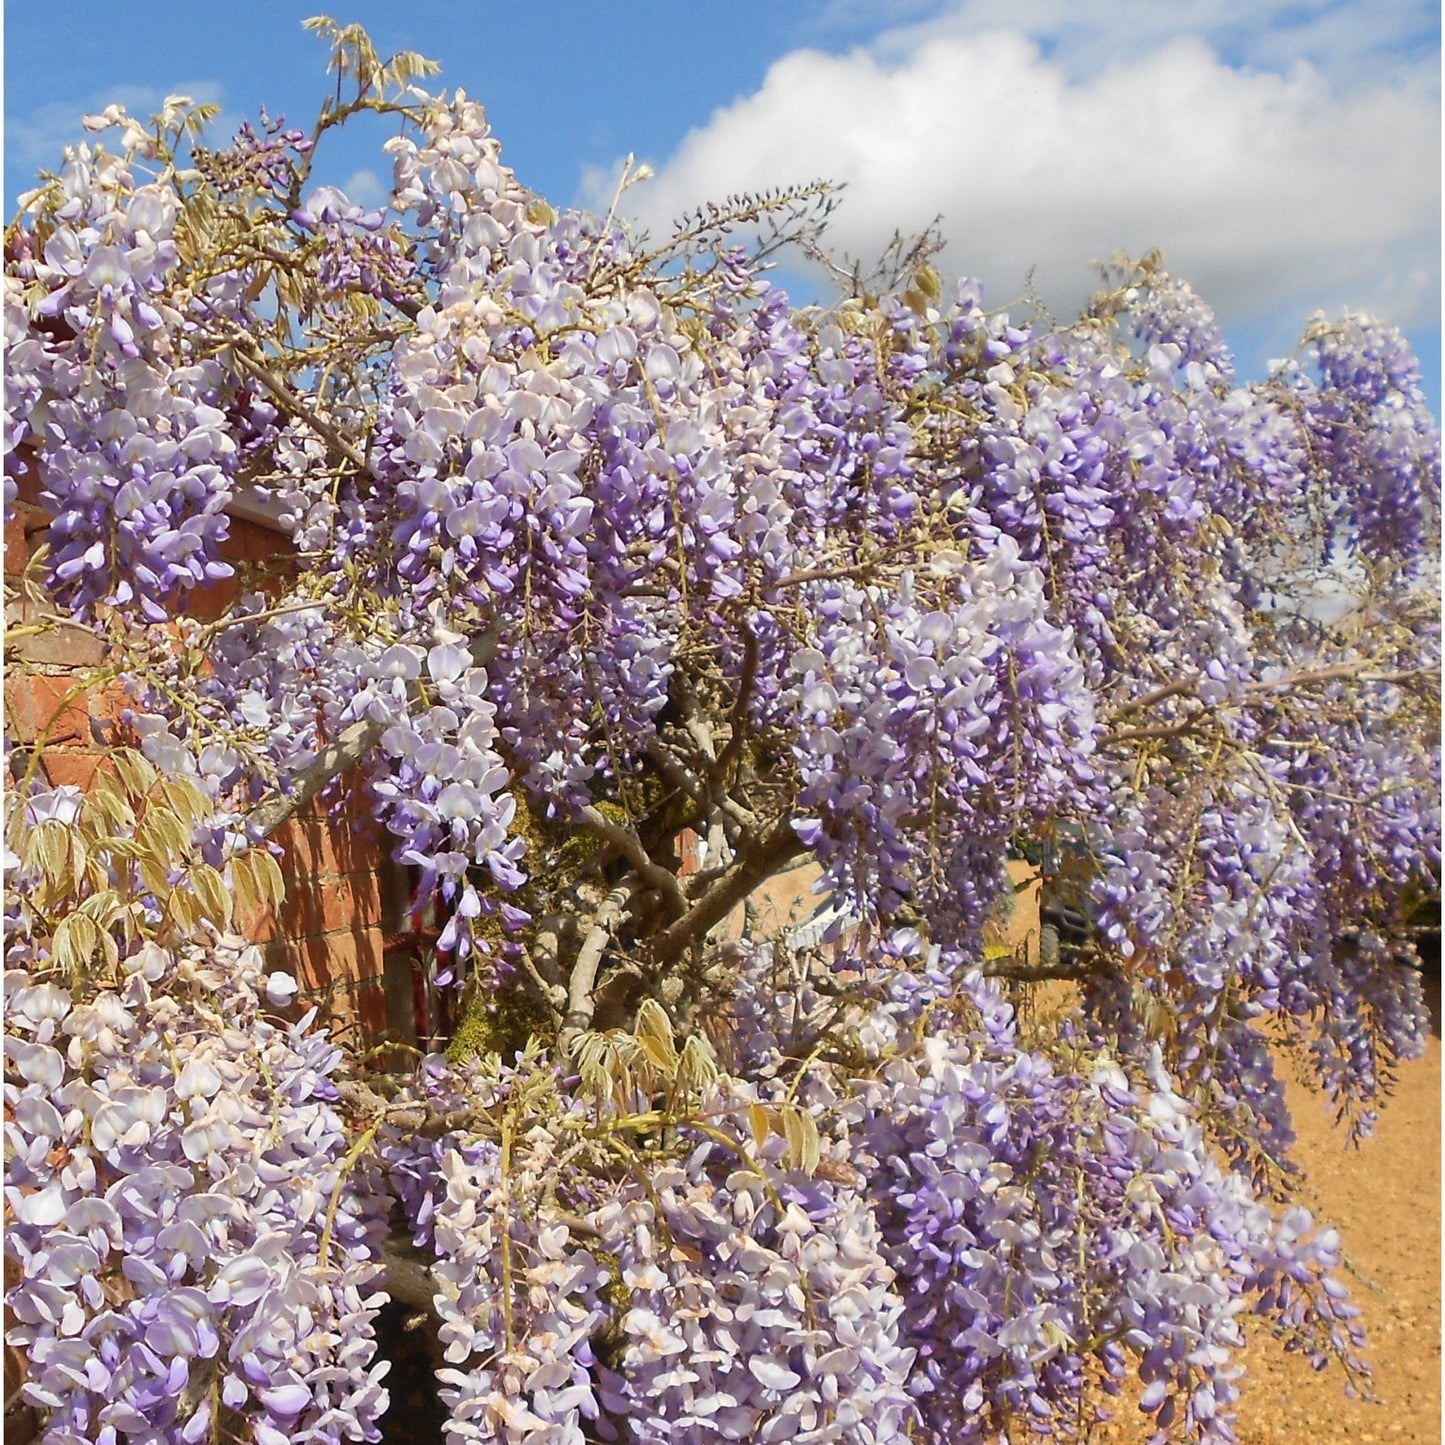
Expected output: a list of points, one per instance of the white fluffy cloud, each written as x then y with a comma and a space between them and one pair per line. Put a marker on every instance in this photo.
1285, 177
366, 188
1353, 42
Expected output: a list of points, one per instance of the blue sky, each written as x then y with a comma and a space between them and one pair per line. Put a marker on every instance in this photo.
1285, 154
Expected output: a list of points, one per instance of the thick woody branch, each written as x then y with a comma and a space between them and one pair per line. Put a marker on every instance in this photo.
630, 846
551, 996
752, 866
738, 717
333, 760
682, 777
695, 724
407, 1115
677, 772
546, 948
409, 1279
1015, 972
580, 1002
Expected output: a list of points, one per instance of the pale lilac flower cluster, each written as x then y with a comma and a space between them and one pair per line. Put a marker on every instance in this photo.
905, 711
1255, 904
1165, 310
727, 1292
359, 252
443, 793
519, 1301
773, 1315
175, 1168
283, 686
940, 586
1372, 437
1038, 1217
1087, 456
130, 431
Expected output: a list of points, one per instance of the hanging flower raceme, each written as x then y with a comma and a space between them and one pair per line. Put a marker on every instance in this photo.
731, 1288
192, 1243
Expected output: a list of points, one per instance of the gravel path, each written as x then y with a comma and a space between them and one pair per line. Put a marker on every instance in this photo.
1384, 1197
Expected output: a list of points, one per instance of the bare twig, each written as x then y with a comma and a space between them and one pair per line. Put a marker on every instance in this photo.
1365, 670
296, 407
1354, 671
576, 1224
1176, 730
1177, 688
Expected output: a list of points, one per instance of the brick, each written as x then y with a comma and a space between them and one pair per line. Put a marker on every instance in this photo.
249, 541
66, 767
371, 1005
364, 899
24, 525
311, 853
49, 707
278, 955
344, 955
358, 1024
17, 548
326, 905
321, 847
21, 469
257, 923
262, 559
107, 704
210, 603
56, 645
341, 975
399, 987
59, 710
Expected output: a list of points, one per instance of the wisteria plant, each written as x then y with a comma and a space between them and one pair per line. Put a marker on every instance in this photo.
619, 587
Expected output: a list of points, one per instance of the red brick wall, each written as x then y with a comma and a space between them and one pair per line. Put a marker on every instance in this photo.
330, 930
330, 933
